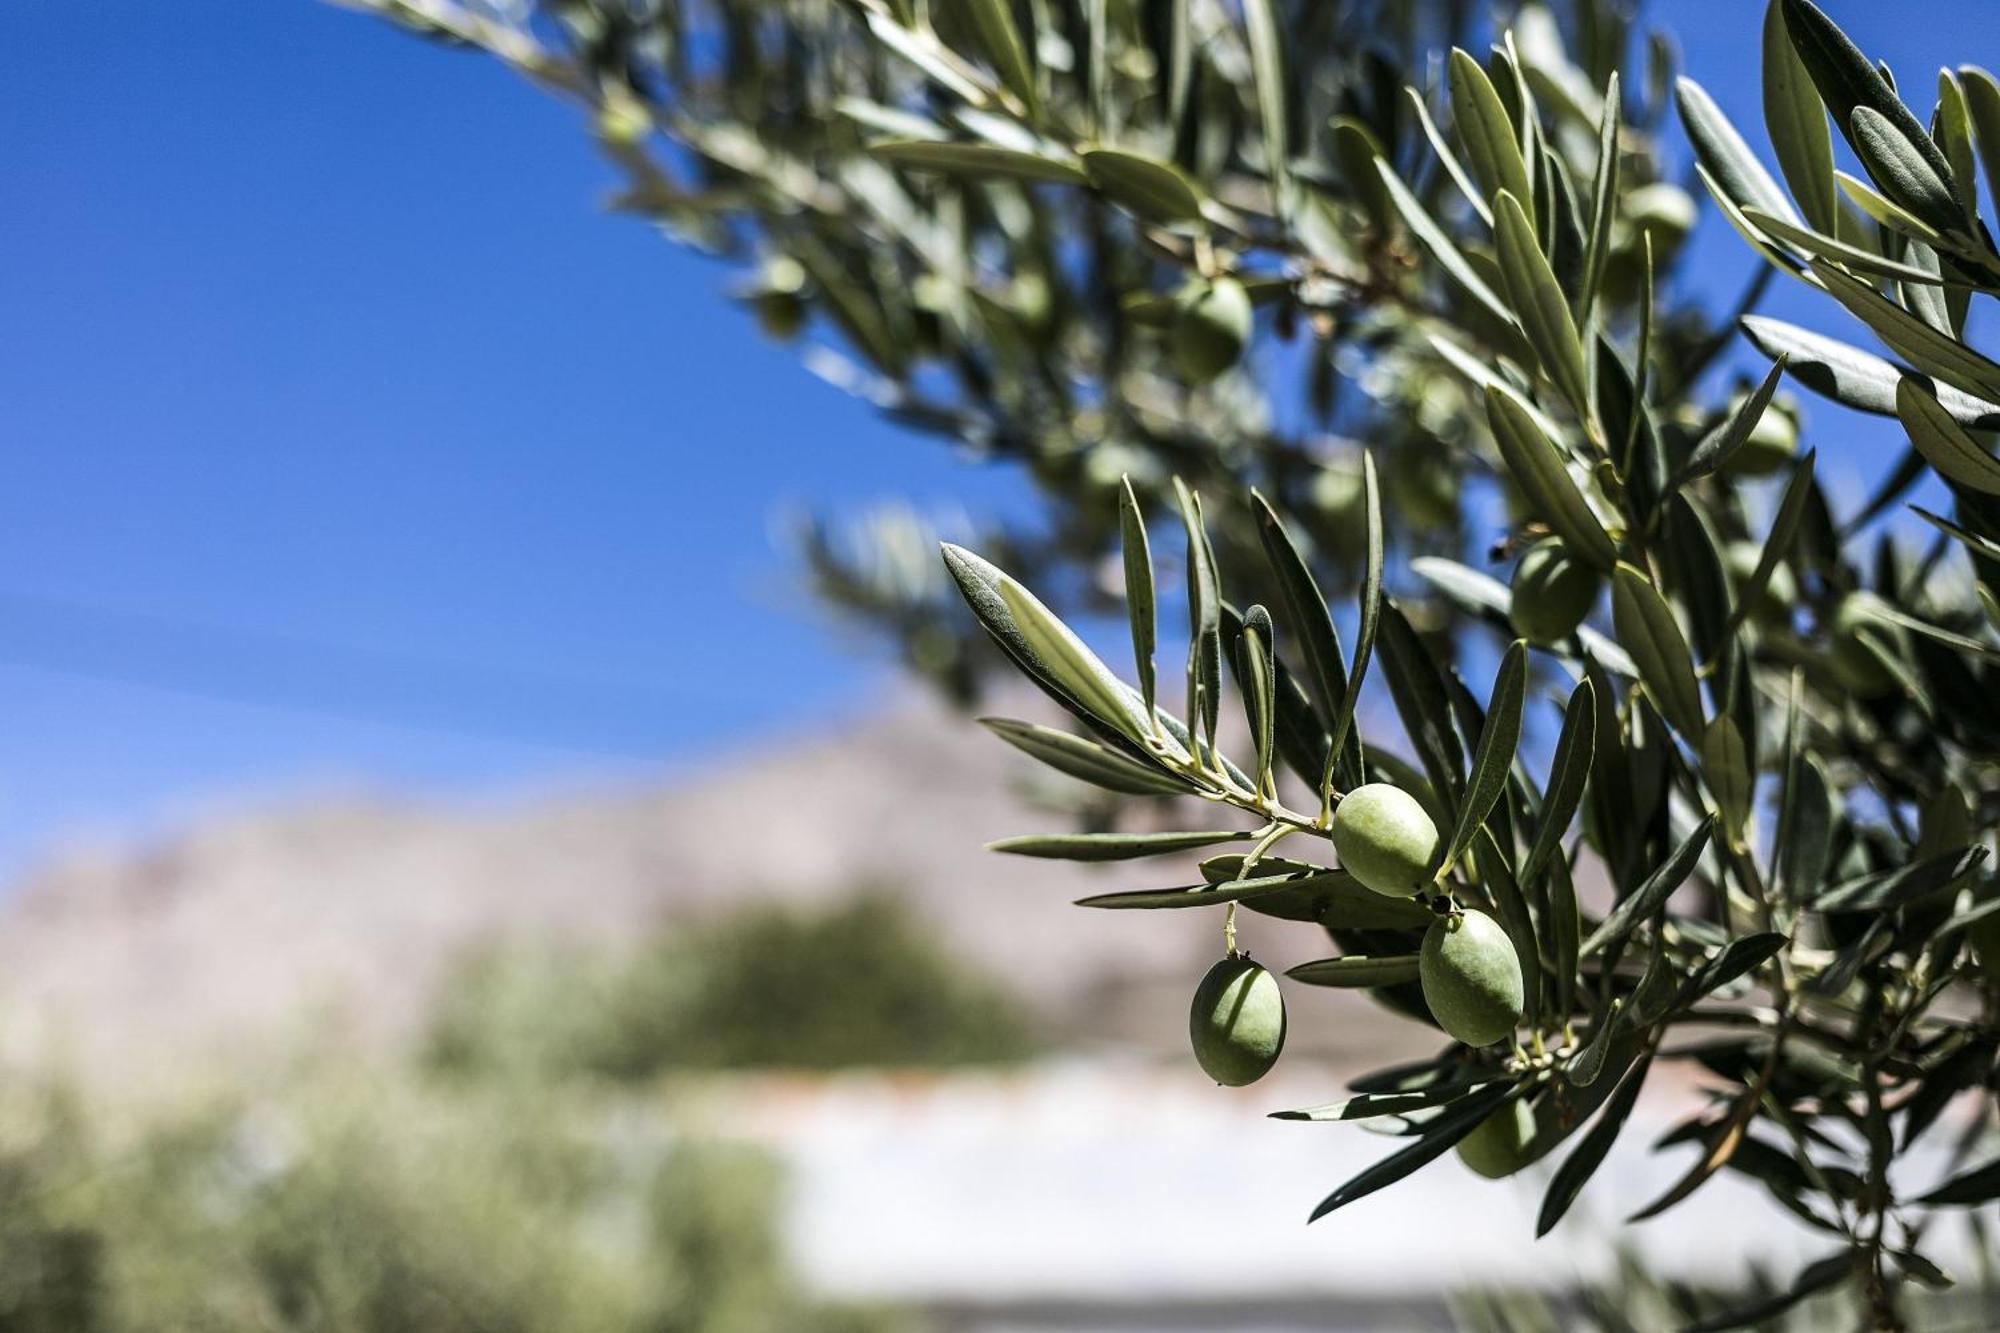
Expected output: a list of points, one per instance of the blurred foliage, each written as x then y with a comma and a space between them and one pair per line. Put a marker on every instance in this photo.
355, 1203
856, 982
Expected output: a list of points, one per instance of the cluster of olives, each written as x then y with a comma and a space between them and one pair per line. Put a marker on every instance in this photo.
1470, 974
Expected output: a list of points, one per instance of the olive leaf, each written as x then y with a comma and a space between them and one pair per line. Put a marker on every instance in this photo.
1591, 1150
1569, 774
1245, 891
1495, 754
1648, 629
1847, 79
1653, 892
1738, 176
1818, 1276
1085, 759
1880, 890
978, 161
1492, 146
1716, 448
1482, 593
1258, 669
1108, 846
1356, 971
1797, 121
1073, 665
1725, 764
1306, 609
1422, 703
1140, 603
1370, 618
1934, 353
1903, 173
1453, 167
1848, 375
1370, 1105
1531, 459
1538, 302
1435, 239
1982, 106
1436, 1138
1154, 191
1267, 70
1851, 256
1011, 58
1204, 597
1603, 205
1942, 441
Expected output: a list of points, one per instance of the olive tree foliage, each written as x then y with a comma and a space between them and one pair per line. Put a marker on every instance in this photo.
1341, 305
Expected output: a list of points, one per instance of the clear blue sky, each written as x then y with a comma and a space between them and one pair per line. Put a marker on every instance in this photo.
317, 350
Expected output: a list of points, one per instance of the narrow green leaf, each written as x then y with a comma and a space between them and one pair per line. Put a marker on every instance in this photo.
1010, 56
1075, 667
1847, 79
1723, 154
1370, 1105
1902, 172
1591, 1149
1453, 167
1738, 958
1085, 759
1306, 609
1492, 145
1494, 757
1537, 468
1267, 71
1108, 846
1852, 256
1370, 609
1796, 120
1538, 302
1653, 892
1886, 211
1141, 606
1648, 629
1928, 350
1850, 376
1977, 1186
1982, 106
1821, 1275
1943, 442
1437, 1138
1258, 669
1784, 527
1245, 891
1422, 704
1435, 239
1204, 596
1806, 845
1357, 972
1725, 765
1603, 204
977, 161
1483, 595
1719, 445
1155, 191
1569, 774
1881, 890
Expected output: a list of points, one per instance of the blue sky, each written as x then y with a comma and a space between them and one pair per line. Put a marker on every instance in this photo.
325, 378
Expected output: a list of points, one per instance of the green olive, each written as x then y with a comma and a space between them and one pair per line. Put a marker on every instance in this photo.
1503, 1142
1860, 635
1237, 1022
1211, 327
1385, 839
1471, 978
1552, 593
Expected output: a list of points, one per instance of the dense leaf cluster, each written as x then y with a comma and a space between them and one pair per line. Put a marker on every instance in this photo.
1093, 237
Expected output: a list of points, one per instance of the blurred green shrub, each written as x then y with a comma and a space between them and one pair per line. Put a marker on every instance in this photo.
856, 983
357, 1205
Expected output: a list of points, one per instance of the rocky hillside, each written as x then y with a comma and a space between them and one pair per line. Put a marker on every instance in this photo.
337, 919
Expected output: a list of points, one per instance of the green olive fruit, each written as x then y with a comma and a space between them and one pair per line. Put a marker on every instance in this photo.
1471, 978
1503, 1142
1237, 1022
1772, 443
1385, 839
1780, 594
1552, 593
1211, 327
1857, 662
